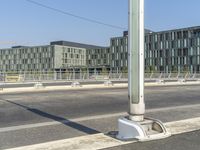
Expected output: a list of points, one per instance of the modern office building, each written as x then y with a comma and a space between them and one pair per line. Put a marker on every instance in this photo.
119, 53
21, 58
175, 50
59, 55
95, 57
98, 58
42, 58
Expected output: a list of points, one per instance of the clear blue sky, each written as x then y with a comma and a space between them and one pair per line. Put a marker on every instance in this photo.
23, 23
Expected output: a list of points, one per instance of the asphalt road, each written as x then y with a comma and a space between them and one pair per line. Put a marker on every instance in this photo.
62, 106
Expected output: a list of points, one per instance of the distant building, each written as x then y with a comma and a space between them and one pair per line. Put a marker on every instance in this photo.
41, 58
175, 50
59, 55
98, 58
119, 53
95, 57
21, 58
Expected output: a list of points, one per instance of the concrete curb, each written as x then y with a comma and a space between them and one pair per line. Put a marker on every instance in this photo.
56, 88
91, 86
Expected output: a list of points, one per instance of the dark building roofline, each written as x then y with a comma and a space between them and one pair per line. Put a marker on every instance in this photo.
19, 46
125, 33
148, 32
74, 44
178, 29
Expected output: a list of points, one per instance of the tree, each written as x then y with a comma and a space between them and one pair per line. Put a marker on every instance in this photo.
152, 68
125, 70
147, 70
104, 71
186, 69
174, 69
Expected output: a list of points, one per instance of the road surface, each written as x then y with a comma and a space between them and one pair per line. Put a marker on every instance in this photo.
32, 118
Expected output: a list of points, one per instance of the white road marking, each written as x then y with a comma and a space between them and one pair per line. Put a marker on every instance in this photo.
173, 108
184, 126
100, 141
36, 125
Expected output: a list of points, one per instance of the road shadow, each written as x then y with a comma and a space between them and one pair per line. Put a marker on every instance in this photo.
62, 120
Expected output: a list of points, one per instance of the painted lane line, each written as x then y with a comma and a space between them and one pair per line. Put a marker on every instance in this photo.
101, 141
89, 142
183, 126
173, 108
51, 123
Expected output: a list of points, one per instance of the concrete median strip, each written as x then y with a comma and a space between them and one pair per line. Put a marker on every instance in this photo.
100, 141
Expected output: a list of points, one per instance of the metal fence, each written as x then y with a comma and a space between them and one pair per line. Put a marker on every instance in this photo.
84, 76
60, 76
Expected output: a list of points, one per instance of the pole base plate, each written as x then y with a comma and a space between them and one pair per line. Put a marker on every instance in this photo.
147, 130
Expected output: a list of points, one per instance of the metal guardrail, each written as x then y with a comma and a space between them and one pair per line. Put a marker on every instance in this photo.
89, 76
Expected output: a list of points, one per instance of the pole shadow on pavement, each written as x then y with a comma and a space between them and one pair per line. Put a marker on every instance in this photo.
62, 120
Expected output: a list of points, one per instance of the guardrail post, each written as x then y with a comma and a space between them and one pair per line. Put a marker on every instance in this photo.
60, 74
95, 73
178, 75
24, 76
185, 77
81, 78
88, 74
161, 74
74, 74
151, 76
54, 75
194, 75
169, 76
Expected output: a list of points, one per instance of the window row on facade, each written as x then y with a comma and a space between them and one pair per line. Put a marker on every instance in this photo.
173, 50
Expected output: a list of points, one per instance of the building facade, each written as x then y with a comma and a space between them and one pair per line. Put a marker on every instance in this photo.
68, 57
166, 51
173, 50
41, 58
58, 56
98, 58
119, 53
27, 58
94, 57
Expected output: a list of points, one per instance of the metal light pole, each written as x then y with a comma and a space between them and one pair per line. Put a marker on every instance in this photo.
135, 125
136, 60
